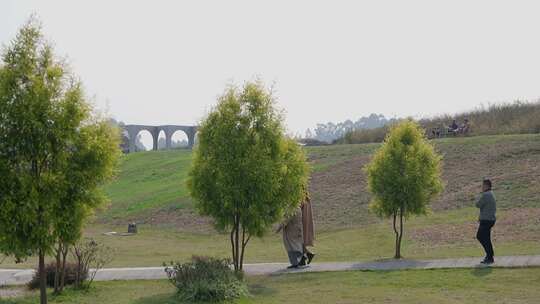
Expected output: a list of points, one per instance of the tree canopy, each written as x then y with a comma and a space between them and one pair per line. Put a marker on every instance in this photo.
55, 151
246, 173
404, 176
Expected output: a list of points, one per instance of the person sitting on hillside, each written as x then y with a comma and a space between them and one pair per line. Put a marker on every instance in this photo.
464, 129
436, 132
453, 128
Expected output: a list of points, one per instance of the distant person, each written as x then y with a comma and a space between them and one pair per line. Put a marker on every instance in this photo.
465, 128
308, 229
436, 132
293, 239
486, 220
453, 127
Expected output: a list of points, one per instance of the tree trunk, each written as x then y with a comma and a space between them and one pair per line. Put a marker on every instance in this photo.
397, 254
65, 248
244, 244
42, 278
79, 269
232, 248
399, 234
57, 268
237, 243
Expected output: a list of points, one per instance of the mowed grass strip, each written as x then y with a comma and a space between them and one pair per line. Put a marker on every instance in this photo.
486, 285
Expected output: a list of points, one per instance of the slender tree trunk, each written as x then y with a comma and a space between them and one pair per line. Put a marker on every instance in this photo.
65, 248
401, 210
237, 243
399, 234
244, 244
397, 254
58, 268
78, 274
42, 278
41, 266
232, 248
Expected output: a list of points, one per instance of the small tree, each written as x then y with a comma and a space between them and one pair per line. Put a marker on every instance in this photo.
246, 174
404, 176
54, 153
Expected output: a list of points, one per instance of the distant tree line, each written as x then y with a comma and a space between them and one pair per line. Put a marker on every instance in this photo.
330, 131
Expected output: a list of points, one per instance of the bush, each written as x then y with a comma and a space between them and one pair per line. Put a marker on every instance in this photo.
50, 269
88, 254
206, 279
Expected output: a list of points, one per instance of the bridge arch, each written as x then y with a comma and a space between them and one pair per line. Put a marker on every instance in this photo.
179, 136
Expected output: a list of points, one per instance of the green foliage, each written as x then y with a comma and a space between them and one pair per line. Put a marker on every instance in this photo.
246, 174
206, 279
404, 175
54, 152
91, 161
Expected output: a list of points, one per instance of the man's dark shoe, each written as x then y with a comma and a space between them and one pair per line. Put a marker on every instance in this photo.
310, 257
488, 261
292, 267
302, 261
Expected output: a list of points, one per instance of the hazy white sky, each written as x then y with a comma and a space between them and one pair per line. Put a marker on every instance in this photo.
160, 62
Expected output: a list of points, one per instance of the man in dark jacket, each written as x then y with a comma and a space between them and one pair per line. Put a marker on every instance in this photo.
488, 208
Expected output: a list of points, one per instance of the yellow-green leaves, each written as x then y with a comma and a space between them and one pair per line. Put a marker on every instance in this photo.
246, 173
405, 171
404, 176
54, 154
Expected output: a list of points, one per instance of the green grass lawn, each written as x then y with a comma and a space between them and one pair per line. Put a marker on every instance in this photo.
148, 181
487, 285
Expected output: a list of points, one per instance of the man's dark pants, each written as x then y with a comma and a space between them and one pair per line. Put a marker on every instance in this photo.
484, 237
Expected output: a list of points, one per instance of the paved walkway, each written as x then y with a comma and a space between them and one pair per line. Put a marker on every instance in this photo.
22, 276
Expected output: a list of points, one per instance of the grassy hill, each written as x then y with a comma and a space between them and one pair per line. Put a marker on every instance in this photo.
150, 187
149, 183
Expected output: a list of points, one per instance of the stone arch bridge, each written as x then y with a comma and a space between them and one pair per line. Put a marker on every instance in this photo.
169, 130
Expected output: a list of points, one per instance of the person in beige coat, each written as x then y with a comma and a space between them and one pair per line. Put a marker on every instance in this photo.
308, 228
298, 234
293, 239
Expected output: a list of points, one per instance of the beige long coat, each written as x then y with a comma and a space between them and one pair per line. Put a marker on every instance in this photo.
292, 233
308, 227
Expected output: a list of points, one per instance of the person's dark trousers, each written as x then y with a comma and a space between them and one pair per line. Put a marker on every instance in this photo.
484, 237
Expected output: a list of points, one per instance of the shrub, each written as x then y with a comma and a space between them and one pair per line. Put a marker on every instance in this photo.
71, 274
206, 279
88, 254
